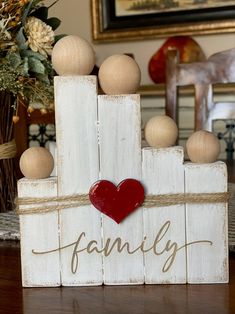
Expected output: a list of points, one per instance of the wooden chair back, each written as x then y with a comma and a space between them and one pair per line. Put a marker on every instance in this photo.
219, 68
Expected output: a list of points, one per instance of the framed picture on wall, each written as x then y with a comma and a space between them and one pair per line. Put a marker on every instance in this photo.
120, 20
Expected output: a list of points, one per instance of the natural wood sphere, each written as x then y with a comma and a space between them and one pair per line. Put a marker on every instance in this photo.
161, 131
119, 74
73, 55
36, 163
203, 147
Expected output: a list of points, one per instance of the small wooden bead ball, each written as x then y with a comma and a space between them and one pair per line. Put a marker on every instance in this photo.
73, 55
203, 147
161, 131
119, 74
36, 163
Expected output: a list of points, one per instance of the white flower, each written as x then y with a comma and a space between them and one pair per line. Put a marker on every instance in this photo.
40, 36
3, 31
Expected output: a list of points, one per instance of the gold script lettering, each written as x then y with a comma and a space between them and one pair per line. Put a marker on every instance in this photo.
74, 260
119, 245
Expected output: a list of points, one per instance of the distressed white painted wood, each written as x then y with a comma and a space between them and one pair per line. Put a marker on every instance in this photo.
207, 263
78, 168
163, 173
120, 158
53, 151
81, 162
39, 232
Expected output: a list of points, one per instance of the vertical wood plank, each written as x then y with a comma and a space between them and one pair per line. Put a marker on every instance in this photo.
78, 169
163, 173
120, 158
39, 232
207, 263
52, 149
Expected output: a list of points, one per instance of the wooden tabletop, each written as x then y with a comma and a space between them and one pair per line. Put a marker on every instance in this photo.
173, 299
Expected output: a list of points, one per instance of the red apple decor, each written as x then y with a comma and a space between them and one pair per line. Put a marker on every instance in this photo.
117, 202
189, 51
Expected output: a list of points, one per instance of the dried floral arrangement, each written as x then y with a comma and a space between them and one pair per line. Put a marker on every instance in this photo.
26, 41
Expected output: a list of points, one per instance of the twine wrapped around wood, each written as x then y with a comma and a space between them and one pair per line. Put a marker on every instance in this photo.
8, 150
50, 204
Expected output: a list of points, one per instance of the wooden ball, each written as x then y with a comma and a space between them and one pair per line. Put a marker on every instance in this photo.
203, 147
119, 74
36, 163
161, 131
73, 55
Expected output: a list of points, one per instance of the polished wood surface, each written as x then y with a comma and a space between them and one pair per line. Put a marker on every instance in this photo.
172, 299
231, 170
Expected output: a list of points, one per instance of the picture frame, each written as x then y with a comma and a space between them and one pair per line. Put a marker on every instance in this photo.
108, 27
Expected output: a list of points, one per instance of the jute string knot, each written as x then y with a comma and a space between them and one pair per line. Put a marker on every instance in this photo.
8, 150
33, 205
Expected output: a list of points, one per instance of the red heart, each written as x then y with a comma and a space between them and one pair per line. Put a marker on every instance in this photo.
117, 202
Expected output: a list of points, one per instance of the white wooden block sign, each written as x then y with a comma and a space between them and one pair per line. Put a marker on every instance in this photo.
208, 262
78, 168
39, 233
163, 173
120, 158
99, 138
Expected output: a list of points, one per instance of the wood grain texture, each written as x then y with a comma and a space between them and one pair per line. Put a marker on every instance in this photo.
101, 139
73, 55
218, 68
53, 150
119, 74
78, 168
163, 173
207, 263
172, 58
203, 147
161, 131
120, 158
36, 163
39, 232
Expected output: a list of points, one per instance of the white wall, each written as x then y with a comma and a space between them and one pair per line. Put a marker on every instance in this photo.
76, 19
